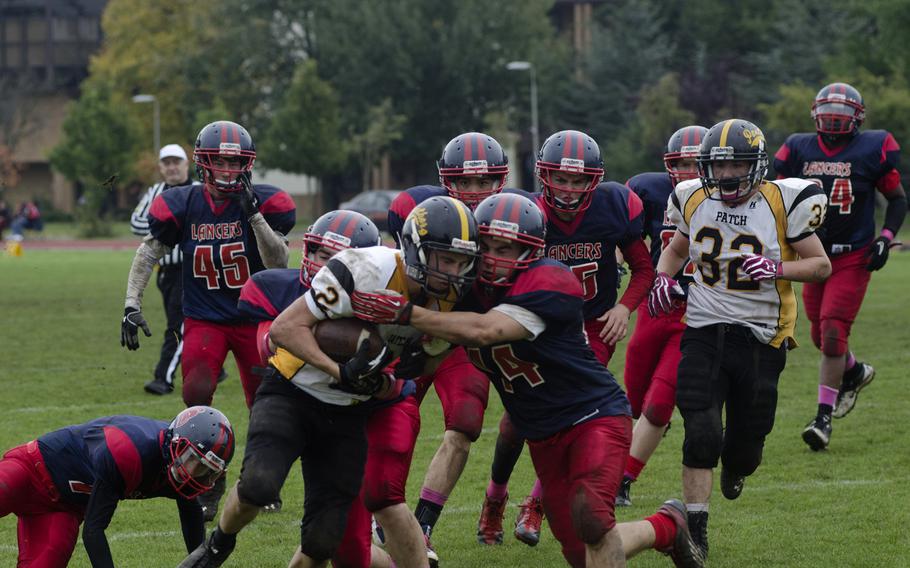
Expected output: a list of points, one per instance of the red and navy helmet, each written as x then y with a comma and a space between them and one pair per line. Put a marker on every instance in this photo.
513, 218
683, 144
226, 139
473, 154
439, 223
334, 232
569, 152
732, 140
838, 110
200, 444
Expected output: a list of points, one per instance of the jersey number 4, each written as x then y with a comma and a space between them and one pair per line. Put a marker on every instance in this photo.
841, 195
510, 366
235, 268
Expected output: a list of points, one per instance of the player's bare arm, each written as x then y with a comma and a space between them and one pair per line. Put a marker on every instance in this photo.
293, 330
468, 328
813, 264
675, 255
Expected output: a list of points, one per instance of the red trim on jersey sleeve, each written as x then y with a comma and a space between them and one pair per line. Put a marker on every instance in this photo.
402, 205
637, 255
889, 182
262, 341
783, 153
547, 278
126, 456
162, 211
279, 202
889, 145
634, 204
253, 295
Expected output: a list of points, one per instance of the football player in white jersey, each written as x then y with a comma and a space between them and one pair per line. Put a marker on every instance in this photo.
748, 237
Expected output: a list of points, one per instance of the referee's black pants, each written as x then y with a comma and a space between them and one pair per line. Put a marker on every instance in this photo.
170, 282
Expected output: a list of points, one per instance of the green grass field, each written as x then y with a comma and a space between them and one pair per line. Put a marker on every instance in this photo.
61, 363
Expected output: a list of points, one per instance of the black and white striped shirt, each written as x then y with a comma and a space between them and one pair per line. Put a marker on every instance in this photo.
139, 220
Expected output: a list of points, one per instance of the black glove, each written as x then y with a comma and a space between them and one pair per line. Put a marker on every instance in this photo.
878, 253
129, 328
249, 201
362, 374
412, 361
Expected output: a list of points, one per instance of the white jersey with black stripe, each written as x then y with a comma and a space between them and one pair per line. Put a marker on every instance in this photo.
778, 214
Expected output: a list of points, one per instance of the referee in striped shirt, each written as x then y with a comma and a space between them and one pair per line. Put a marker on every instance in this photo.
174, 168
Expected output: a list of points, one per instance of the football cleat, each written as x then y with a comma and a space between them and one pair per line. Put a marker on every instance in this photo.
207, 555
818, 432
622, 496
698, 530
209, 500
684, 551
731, 485
489, 527
846, 398
432, 557
159, 386
530, 517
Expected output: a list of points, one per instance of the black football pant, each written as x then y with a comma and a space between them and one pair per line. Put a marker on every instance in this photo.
170, 283
726, 365
330, 440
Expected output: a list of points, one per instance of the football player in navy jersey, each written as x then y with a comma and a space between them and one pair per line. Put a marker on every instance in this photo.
523, 326
472, 166
227, 229
587, 220
850, 165
78, 474
652, 354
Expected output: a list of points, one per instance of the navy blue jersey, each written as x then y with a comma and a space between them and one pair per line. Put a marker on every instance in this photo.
587, 243
849, 176
219, 247
654, 189
269, 292
553, 381
125, 453
408, 199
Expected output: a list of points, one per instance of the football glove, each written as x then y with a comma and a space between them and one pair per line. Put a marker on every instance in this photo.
412, 360
362, 374
382, 307
249, 201
664, 293
129, 328
878, 253
760, 267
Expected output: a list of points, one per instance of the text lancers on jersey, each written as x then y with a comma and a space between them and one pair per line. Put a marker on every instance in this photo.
571, 251
209, 231
839, 169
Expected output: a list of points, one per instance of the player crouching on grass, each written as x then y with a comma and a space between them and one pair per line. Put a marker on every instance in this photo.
81, 472
317, 409
523, 325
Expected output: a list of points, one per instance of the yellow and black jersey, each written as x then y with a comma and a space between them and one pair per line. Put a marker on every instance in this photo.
778, 214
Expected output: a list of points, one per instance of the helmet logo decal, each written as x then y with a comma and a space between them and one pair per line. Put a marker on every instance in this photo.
504, 225
722, 153
420, 220
229, 149
755, 138
688, 151
572, 165
464, 245
188, 415
475, 167
336, 238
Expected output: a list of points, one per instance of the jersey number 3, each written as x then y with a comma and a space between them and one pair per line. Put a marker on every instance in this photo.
235, 268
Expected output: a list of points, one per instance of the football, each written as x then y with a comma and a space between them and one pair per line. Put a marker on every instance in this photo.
340, 338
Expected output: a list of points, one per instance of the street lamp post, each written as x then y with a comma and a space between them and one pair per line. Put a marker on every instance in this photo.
529, 67
156, 120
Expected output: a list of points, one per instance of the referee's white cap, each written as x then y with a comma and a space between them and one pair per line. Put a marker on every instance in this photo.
172, 151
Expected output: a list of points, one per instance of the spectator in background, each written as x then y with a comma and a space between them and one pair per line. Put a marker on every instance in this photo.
28, 217
174, 169
5, 215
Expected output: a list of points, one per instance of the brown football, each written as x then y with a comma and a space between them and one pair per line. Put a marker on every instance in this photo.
340, 338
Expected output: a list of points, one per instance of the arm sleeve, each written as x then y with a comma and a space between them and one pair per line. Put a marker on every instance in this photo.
147, 256
272, 244
528, 319
254, 301
636, 254
139, 221
191, 523
101, 506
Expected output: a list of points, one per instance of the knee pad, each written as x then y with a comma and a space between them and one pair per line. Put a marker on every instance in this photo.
589, 526
704, 438
659, 402
258, 487
834, 337
466, 417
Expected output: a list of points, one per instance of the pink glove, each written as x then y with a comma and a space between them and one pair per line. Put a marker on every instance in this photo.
664, 292
760, 267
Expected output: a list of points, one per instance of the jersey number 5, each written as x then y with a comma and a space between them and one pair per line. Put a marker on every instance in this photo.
235, 268
586, 274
